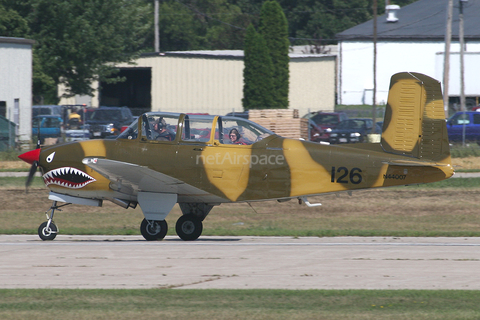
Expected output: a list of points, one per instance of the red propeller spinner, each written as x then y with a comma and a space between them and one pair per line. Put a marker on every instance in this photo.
31, 156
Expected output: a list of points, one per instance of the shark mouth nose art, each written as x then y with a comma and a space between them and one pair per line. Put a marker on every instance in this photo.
67, 177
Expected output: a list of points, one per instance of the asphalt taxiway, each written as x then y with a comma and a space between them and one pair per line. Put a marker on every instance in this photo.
240, 262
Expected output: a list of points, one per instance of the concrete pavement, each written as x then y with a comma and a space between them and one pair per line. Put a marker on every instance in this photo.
240, 262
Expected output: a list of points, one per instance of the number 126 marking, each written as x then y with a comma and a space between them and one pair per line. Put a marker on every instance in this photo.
344, 175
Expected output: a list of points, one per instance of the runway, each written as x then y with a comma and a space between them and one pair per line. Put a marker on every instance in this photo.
240, 263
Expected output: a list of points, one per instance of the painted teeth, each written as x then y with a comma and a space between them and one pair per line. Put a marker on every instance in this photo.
60, 177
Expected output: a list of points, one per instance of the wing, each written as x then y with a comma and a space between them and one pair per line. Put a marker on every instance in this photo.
131, 178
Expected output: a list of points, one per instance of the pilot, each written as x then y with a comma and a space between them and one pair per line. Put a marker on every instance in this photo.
160, 132
235, 137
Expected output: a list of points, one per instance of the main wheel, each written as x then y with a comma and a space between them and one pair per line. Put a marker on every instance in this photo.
154, 229
47, 234
189, 227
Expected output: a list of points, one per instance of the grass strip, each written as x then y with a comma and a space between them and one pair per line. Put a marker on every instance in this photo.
215, 304
19, 182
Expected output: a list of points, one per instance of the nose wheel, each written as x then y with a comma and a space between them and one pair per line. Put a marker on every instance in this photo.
48, 230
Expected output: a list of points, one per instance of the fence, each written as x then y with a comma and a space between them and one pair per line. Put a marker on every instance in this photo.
7, 134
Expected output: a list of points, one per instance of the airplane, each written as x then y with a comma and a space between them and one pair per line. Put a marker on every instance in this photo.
201, 161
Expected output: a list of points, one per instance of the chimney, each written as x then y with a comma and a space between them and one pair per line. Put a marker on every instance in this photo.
391, 11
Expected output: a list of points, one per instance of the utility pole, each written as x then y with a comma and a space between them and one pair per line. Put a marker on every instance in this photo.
446, 57
374, 103
157, 31
462, 67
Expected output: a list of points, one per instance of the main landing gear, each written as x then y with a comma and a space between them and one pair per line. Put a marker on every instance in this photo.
188, 227
48, 230
153, 230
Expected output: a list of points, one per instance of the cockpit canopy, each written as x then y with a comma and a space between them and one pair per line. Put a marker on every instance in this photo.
168, 127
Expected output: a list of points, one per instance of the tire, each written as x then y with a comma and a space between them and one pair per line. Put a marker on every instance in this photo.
49, 234
189, 227
156, 230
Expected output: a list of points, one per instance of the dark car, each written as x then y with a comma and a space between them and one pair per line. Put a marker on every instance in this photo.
467, 123
353, 131
327, 121
106, 122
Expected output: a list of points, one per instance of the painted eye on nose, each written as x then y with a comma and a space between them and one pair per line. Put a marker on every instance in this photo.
50, 157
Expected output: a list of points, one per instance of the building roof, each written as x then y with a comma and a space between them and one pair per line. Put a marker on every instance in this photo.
227, 54
421, 20
16, 40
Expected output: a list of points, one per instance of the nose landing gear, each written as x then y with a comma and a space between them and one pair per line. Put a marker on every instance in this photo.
48, 230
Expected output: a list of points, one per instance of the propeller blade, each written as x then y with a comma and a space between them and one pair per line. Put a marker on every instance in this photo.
38, 136
31, 174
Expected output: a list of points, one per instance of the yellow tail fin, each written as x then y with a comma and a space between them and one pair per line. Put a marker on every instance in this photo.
414, 123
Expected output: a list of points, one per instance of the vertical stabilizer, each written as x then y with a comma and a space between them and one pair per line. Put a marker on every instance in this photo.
414, 122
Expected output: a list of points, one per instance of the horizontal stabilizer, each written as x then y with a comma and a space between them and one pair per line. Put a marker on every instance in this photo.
408, 163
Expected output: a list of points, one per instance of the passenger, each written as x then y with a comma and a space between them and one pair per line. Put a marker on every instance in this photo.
235, 137
160, 132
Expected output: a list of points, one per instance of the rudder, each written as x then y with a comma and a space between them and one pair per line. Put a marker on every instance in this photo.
414, 123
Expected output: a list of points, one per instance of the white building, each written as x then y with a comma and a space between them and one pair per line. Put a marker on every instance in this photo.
415, 42
16, 85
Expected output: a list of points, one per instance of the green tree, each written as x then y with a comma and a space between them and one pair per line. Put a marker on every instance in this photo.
323, 19
274, 29
11, 23
201, 25
44, 87
78, 41
257, 73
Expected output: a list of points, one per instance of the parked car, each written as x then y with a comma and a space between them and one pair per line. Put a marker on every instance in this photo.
468, 121
50, 127
353, 130
327, 121
243, 114
315, 131
106, 122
